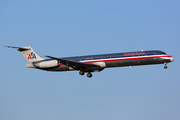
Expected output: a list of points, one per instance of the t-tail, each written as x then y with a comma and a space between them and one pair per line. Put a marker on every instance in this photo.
29, 54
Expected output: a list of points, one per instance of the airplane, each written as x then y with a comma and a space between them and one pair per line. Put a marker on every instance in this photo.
93, 63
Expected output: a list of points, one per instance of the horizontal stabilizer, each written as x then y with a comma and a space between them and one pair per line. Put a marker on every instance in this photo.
18, 48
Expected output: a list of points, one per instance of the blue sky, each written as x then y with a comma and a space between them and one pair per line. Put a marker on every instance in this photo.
73, 28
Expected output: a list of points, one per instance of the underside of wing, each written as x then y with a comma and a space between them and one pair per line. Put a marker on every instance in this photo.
75, 65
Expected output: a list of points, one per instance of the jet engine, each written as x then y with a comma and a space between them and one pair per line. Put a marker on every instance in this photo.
47, 64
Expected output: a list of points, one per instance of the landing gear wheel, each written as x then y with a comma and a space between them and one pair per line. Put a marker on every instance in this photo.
89, 75
81, 72
165, 67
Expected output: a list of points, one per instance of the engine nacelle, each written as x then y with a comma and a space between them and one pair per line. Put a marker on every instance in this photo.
47, 64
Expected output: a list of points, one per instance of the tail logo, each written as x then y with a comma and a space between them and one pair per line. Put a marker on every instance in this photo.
32, 56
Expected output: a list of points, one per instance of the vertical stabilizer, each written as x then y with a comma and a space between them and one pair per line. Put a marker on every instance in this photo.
29, 54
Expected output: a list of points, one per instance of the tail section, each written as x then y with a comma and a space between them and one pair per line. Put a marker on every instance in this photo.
29, 54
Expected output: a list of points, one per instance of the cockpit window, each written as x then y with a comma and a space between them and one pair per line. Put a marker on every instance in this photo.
162, 53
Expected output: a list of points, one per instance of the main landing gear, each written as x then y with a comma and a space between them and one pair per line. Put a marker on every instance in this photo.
165, 65
81, 72
88, 75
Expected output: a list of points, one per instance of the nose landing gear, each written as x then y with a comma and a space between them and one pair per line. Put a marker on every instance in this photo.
165, 65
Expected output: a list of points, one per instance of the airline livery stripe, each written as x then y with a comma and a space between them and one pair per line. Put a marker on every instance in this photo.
127, 58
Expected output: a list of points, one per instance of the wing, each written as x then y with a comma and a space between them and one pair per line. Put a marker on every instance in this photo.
74, 64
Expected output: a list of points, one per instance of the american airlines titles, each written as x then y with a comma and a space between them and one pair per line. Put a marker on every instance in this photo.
136, 53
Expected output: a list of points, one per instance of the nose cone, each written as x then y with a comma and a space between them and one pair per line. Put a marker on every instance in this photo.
171, 59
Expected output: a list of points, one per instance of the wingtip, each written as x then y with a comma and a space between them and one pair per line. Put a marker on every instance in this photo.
8, 46
48, 56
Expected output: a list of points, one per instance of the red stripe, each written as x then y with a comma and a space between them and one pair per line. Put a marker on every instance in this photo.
134, 58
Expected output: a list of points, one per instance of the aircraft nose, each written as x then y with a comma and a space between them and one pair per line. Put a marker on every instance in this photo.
171, 59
